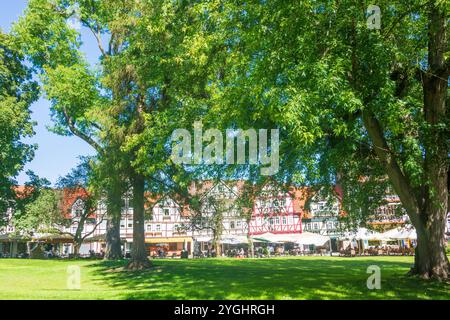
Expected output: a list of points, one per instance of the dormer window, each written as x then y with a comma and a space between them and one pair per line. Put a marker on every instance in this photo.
78, 208
321, 206
276, 203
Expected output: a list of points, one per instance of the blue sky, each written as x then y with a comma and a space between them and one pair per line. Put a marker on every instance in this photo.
56, 155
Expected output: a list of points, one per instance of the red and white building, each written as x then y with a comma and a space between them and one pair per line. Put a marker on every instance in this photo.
277, 212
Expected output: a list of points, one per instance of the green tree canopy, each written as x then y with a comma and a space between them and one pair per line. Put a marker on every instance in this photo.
361, 107
17, 93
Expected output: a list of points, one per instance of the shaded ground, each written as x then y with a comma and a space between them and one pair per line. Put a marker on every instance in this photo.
277, 278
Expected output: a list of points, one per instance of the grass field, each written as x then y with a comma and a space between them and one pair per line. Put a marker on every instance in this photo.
277, 278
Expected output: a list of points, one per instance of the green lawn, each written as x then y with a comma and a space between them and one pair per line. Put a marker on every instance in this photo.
277, 278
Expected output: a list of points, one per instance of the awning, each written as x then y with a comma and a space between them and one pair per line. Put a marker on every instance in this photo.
168, 240
64, 238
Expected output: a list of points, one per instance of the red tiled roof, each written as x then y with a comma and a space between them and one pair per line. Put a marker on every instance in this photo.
23, 191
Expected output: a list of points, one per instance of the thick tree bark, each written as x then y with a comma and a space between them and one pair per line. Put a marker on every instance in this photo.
427, 208
113, 245
114, 213
431, 260
76, 249
139, 260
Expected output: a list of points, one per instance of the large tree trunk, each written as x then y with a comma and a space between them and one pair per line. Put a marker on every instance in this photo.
427, 207
76, 249
114, 212
139, 260
431, 260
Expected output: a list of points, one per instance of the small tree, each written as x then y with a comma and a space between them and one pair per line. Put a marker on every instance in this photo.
51, 213
78, 204
42, 215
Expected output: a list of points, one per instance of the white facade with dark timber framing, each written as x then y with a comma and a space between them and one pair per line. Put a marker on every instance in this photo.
274, 211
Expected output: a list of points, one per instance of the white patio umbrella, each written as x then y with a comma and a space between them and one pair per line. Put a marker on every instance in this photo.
270, 237
401, 233
309, 238
233, 239
305, 238
364, 234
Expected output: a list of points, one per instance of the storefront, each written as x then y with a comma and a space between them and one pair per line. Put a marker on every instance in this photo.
168, 246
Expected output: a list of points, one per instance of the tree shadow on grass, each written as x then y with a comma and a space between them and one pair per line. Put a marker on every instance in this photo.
301, 278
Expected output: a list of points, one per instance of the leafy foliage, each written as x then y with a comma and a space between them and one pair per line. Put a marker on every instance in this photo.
17, 92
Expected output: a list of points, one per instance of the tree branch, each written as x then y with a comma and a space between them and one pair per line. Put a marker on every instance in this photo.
97, 36
80, 134
399, 181
93, 229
